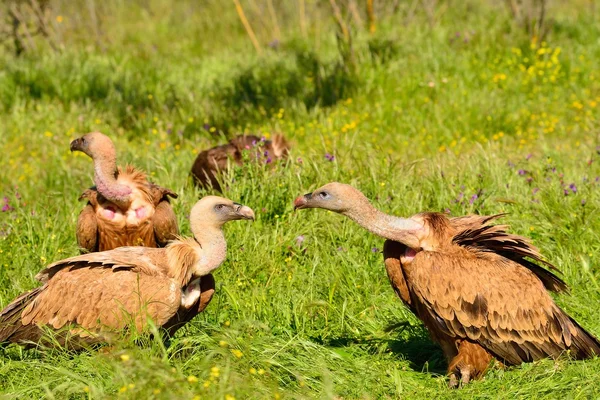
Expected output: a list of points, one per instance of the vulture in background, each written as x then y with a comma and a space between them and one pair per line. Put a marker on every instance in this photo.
89, 298
212, 162
481, 292
124, 208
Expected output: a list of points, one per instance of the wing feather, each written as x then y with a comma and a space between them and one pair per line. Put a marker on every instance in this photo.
164, 220
459, 293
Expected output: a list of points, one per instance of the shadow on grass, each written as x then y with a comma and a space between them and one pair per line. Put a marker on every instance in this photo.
412, 344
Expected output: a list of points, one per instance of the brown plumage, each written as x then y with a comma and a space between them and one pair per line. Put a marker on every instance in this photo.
212, 162
124, 208
89, 298
481, 291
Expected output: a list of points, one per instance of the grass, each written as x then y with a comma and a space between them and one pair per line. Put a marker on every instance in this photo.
470, 115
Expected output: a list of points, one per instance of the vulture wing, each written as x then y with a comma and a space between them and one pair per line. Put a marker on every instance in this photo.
146, 260
97, 292
164, 219
184, 315
475, 233
494, 301
87, 225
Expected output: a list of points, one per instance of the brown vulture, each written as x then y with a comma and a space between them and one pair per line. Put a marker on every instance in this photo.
89, 298
123, 208
212, 162
481, 292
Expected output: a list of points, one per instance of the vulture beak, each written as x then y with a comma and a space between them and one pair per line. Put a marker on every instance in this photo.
244, 212
302, 201
75, 144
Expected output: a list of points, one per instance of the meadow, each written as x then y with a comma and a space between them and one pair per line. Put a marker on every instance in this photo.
458, 107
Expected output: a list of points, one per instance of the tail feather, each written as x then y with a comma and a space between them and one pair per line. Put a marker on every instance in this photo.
585, 345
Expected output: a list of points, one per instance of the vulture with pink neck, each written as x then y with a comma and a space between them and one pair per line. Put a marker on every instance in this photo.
92, 298
211, 163
481, 292
124, 208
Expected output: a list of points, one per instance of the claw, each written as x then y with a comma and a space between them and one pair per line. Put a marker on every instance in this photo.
453, 382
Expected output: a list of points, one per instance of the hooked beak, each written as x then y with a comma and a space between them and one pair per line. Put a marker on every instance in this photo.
302, 201
75, 144
244, 212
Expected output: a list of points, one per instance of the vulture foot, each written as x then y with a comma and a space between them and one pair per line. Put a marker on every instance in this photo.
470, 363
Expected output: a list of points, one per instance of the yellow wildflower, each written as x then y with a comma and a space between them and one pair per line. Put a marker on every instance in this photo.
237, 353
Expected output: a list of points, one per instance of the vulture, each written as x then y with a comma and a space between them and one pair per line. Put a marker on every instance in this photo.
88, 299
210, 163
480, 291
123, 208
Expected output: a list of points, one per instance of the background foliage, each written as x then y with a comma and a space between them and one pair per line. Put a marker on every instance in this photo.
463, 107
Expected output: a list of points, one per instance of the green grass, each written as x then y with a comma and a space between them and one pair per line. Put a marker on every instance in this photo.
426, 119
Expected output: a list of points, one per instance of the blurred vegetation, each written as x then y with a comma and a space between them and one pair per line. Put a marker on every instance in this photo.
463, 107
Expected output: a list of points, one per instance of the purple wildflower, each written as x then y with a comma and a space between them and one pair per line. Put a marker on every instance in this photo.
597, 178
566, 192
206, 127
299, 160
274, 44
6, 207
573, 188
529, 179
299, 240
169, 131
329, 157
583, 202
268, 160
535, 190
510, 164
522, 172
473, 198
375, 250
528, 156
253, 143
447, 211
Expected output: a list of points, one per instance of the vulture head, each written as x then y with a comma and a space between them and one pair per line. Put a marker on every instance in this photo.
94, 144
216, 211
334, 196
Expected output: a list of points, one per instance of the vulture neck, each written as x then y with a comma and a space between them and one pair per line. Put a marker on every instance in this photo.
403, 230
214, 247
105, 178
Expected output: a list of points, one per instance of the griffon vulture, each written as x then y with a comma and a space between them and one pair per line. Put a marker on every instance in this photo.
481, 292
210, 163
124, 208
88, 298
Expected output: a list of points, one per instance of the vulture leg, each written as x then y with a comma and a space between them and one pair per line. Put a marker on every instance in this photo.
471, 362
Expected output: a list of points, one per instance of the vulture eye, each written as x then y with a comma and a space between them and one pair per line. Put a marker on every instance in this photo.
82, 140
323, 195
219, 207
